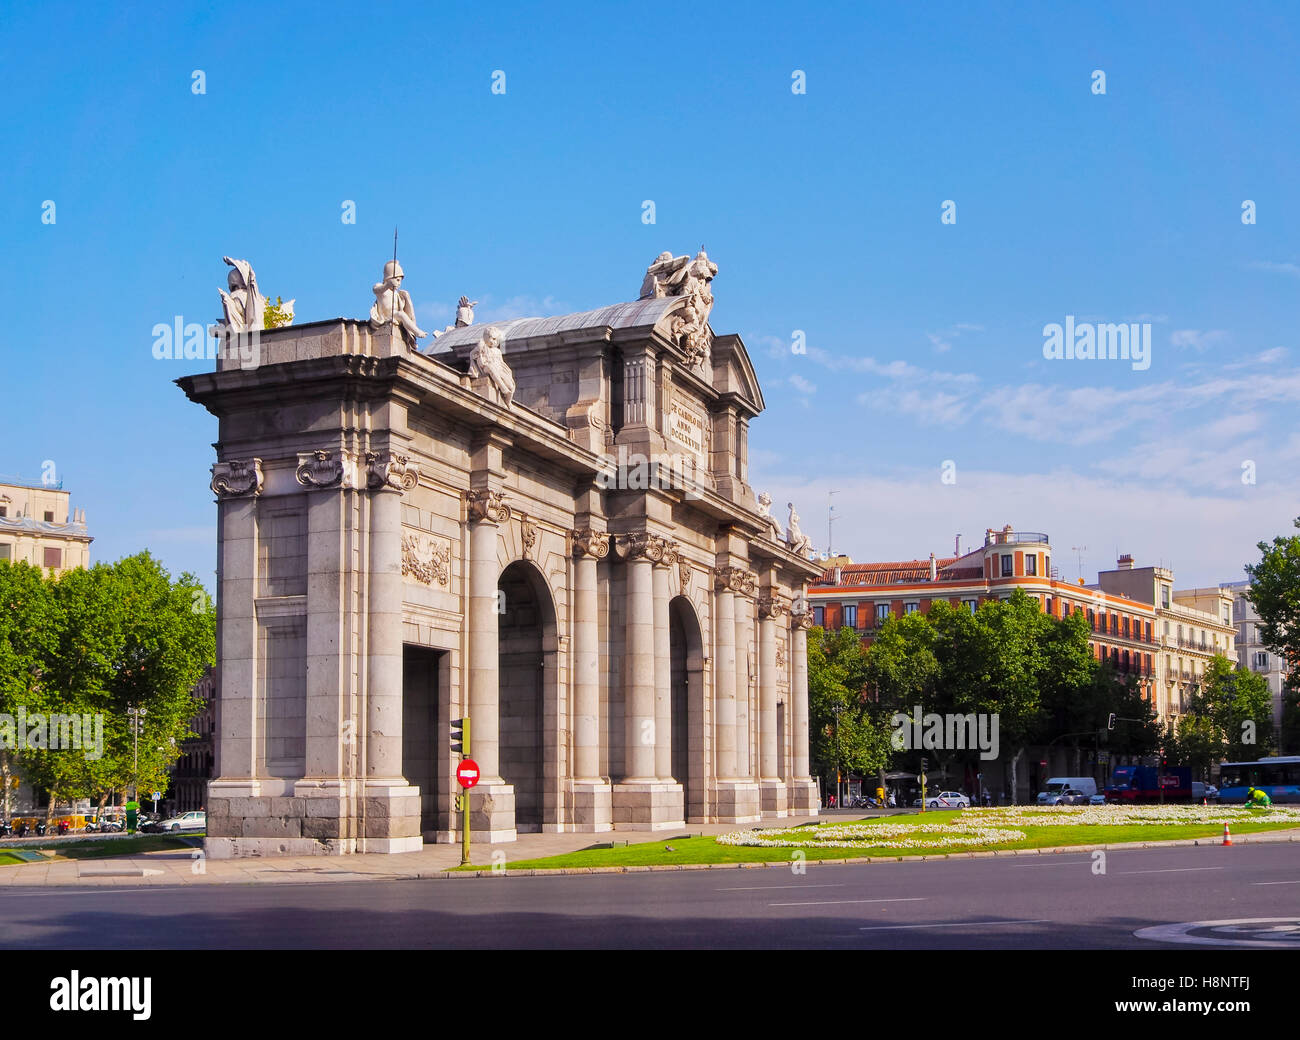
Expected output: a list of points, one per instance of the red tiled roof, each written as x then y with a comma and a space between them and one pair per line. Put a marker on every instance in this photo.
896, 572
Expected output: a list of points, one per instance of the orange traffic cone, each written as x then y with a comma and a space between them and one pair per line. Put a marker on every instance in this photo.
1227, 835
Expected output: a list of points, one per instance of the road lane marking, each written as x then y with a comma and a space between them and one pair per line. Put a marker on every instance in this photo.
1275, 882
765, 888
952, 924
1168, 870
836, 902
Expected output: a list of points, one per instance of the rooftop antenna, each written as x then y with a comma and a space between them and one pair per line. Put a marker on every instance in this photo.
830, 519
1078, 551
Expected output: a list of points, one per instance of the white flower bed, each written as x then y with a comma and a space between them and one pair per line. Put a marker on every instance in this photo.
978, 827
1126, 816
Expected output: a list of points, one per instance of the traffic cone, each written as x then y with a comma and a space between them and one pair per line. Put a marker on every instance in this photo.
1227, 835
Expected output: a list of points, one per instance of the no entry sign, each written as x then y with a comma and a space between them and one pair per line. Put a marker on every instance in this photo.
467, 773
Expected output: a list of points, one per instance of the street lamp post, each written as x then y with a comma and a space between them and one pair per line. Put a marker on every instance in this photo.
839, 801
137, 718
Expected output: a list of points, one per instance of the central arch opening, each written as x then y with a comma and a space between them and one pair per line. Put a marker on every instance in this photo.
526, 639
686, 677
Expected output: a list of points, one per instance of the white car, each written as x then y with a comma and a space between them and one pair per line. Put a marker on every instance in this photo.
190, 821
945, 800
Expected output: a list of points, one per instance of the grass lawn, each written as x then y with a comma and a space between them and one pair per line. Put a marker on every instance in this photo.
92, 849
929, 826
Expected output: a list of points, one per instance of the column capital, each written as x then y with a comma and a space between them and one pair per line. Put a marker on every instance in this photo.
642, 543
326, 468
801, 621
388, 471
487, 505
586, 541
770, 606
740, 580
235, 478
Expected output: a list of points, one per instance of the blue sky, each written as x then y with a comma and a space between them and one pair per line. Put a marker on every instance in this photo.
821, 209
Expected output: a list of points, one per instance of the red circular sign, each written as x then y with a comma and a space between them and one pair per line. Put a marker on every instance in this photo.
467, 773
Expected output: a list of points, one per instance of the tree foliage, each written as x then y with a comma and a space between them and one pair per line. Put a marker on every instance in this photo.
1275, 593
95, 643
1229, 718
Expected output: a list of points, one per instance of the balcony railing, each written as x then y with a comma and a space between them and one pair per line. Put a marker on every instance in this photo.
1012, 537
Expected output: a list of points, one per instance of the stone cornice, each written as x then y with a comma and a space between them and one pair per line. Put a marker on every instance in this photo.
235, 478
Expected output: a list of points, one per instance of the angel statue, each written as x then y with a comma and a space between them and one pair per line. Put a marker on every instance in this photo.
797, 541
487, 360
392, 304
773, 528
244, 306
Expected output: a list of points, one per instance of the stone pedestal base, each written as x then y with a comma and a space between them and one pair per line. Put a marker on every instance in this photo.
772, 798
593, 805
802, 798
390, 817
648, 805
737, 801
491, 813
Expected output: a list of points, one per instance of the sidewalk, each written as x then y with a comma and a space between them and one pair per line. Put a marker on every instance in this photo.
181, 867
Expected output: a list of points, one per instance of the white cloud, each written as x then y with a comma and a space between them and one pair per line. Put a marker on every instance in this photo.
1268, 265
1197, 339
801, 384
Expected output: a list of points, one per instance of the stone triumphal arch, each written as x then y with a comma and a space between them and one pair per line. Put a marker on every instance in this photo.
545, 524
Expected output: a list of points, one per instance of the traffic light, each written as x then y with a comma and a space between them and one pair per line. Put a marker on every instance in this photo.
924, 762
1110, 722
458, 736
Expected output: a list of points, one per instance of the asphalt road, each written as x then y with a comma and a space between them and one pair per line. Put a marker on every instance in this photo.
1033, 902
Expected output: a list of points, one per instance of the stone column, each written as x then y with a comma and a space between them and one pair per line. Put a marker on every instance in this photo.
737, 792
392, 805
663, 728
803, 796
772, 790
592, 805
641, 800
236, 483
492, 801
639, 671
724, 691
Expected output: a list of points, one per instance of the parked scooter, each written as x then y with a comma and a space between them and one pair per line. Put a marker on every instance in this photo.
40, 828
63, 827
21, 831
6, 831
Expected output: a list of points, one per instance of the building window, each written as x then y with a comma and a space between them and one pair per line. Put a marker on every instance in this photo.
971, 604
911, 608
882, 613
49, 516
1049, 604
819, 617
1031, 563
850, 616
53, 557
1092, 619
6, 551
1126, 628
4, 510
1148, 630
1261, 661
1007, 569
1164, 596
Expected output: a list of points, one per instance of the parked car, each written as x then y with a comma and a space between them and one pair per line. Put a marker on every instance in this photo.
944, 800
1096, 799
190, 821
1058, 785
1204, 792
1070, 796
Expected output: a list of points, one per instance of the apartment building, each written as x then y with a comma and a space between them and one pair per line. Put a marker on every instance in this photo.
1193, 625
862, 596
1251, 651
37, 526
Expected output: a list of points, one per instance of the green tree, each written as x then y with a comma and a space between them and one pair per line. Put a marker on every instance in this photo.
845, 732
125, 636
28, 628
276, 314
1275, 593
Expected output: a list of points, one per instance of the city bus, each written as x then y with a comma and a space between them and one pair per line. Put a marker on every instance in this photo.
1277, 777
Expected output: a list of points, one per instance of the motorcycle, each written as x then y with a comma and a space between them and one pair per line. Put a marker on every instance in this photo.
40, 828
22, 830
63, 827
6, 830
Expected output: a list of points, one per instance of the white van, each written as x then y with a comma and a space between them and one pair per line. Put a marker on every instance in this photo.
1059, 785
